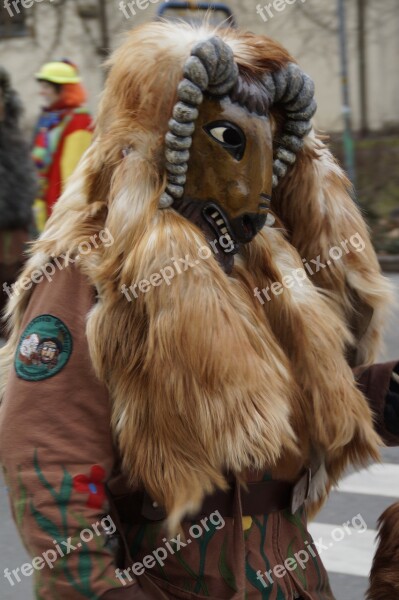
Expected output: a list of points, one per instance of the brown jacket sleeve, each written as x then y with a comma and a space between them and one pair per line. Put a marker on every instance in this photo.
374, 382
57, 451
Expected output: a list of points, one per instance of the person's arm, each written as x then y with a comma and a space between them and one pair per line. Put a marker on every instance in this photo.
380, 385
57, 452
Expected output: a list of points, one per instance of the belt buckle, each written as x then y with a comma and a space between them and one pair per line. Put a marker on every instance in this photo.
301, 491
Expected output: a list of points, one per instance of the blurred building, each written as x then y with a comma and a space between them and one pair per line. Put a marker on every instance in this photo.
35, 31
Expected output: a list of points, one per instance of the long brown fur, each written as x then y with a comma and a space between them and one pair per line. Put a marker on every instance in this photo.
314, 202
384, 577
204, 379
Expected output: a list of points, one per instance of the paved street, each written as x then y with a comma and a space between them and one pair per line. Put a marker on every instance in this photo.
361, 498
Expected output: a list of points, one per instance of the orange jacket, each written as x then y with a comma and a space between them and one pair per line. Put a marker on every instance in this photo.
59, 144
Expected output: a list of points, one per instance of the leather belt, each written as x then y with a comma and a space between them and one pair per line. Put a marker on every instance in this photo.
260, 498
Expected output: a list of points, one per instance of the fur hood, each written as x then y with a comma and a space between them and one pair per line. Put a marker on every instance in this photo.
17, 177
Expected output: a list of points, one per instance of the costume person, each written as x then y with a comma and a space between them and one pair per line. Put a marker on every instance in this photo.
62, 134
17, 189
179, 403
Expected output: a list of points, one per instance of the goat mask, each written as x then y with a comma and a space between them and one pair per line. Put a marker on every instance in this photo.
221, 184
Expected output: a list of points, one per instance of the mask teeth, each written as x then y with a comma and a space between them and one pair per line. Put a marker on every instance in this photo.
217, 217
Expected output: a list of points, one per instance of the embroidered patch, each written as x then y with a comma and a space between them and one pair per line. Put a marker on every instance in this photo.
44, 349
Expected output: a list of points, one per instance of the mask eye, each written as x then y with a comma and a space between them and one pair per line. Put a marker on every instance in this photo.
228, 135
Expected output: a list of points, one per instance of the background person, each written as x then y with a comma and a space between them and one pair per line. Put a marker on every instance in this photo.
17, 188
63, 133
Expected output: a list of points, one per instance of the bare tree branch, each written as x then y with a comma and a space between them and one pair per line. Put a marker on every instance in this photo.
314, 16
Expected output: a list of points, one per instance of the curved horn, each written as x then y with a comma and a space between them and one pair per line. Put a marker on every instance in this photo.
211, 67
293, 90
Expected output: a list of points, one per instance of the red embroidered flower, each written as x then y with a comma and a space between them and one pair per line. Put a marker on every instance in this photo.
92, 485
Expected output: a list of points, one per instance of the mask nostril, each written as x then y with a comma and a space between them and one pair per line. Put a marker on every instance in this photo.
252, 224
248, 224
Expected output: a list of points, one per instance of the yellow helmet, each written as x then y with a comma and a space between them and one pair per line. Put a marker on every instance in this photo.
58, 72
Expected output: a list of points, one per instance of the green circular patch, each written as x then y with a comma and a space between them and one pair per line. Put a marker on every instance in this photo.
44, 349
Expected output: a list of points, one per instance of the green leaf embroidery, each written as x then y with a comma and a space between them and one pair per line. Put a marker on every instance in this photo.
45, 524
151, 535
263, 530
296, 520
194, 577
66, 485
62, 499
298, 570
84, 569
258, 585
224, 568
99, 542
20, 502
203, 546
280, 594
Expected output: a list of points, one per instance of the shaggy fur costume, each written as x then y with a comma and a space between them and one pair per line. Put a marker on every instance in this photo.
17, 179
385, 572
203, 378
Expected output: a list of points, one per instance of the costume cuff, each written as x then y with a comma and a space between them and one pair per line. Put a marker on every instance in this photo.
374, 382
